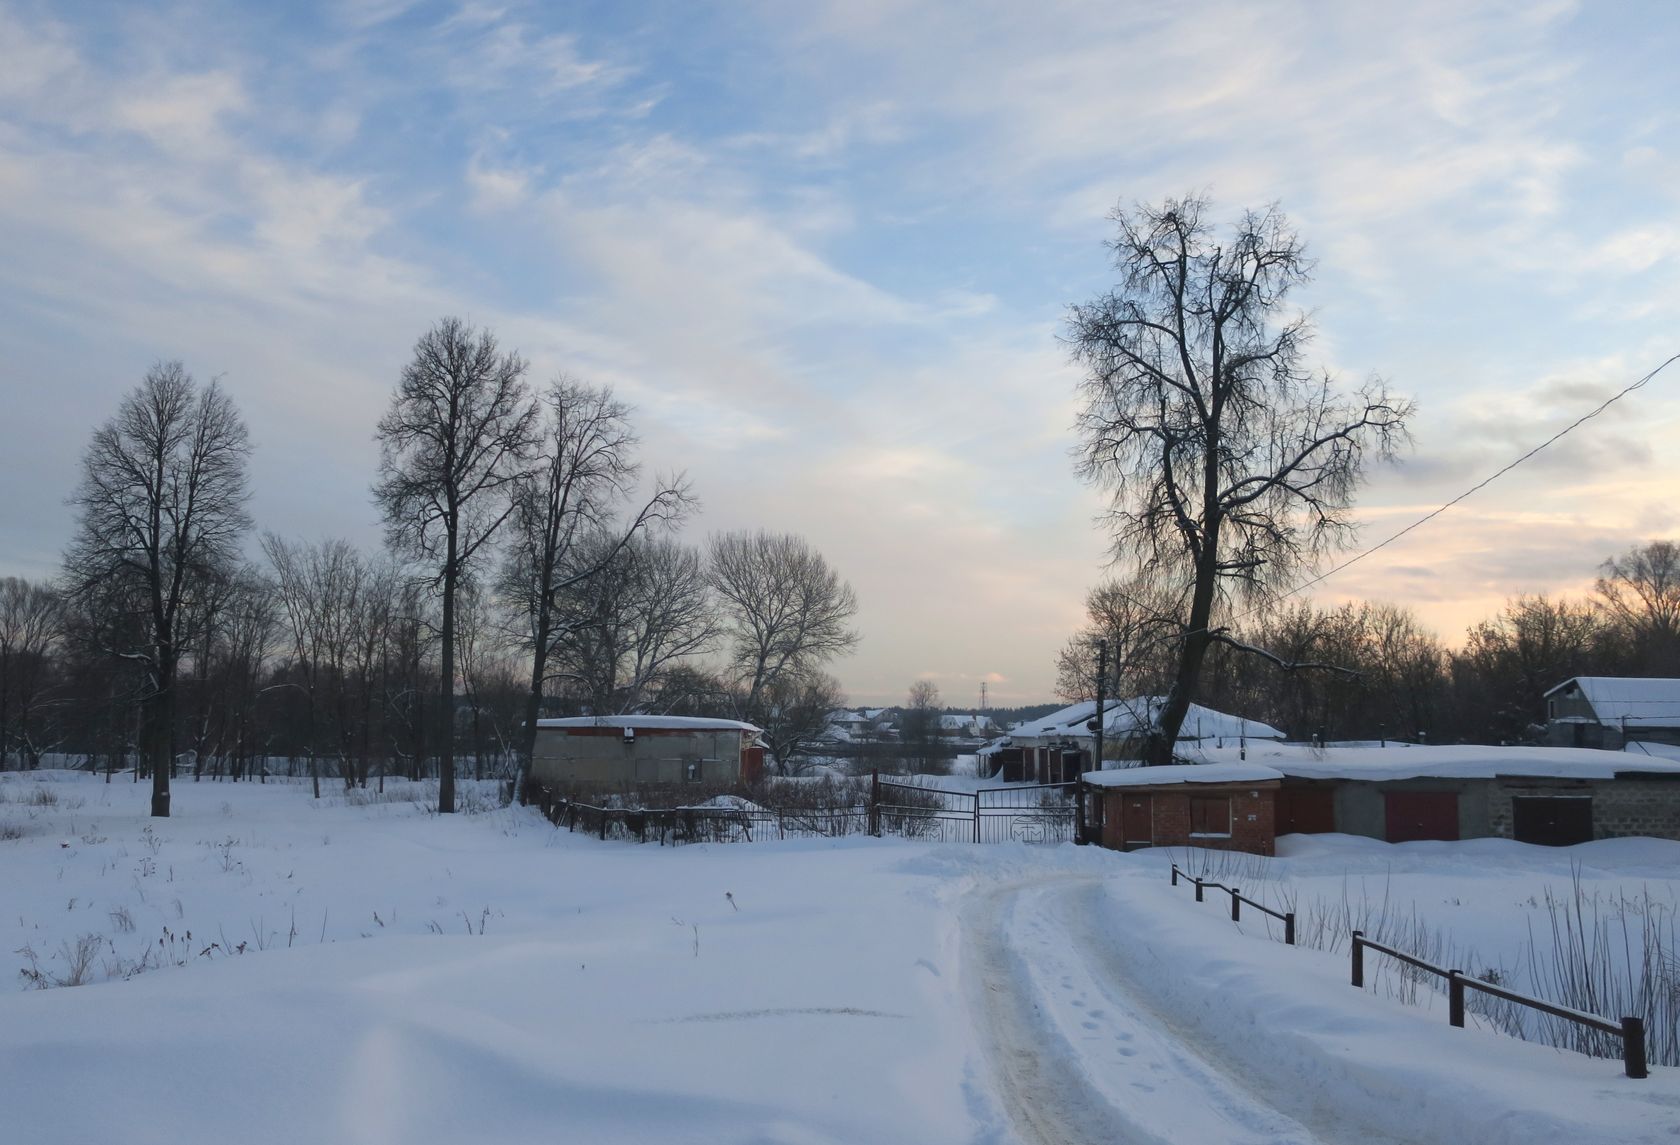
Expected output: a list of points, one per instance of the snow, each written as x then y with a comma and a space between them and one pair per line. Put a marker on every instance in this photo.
1437, 761
1655, 750
408, 977
1182, 773
1631, 701
1128, 717
697, 723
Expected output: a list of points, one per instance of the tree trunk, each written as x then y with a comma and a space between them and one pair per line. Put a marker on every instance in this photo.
1163, 735
446, 751
160, 736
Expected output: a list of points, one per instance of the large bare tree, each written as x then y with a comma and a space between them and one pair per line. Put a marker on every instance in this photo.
160, 513
1230, 462
585, 474
454, 444
786, 613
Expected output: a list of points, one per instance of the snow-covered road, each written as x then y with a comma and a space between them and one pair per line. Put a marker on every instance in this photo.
1079, 1054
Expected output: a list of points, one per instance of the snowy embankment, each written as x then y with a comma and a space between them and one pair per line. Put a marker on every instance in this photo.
413, 978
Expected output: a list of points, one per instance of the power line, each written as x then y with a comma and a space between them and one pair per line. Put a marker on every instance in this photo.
1480, 485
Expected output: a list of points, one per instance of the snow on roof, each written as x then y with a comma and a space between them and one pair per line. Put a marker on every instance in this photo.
1128, 717
1183, 773
1634, 700
651, 723
1437, 761
1647, 748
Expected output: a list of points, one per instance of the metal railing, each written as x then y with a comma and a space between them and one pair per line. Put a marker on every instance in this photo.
1631, 1030
1287, 917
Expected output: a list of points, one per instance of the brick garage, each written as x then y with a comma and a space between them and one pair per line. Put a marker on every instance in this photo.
1221, 808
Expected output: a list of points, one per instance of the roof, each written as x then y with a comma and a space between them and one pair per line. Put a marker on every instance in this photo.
1439, 761
1183, 773
1636, 701
651, 723
1128, 717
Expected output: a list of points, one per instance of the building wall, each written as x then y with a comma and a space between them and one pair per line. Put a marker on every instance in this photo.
1362, 810
1253, 817
1620, 807
600, 756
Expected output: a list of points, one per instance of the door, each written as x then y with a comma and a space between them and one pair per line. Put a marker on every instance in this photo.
1552, 821
1306, 810
1416, 815
1137, 820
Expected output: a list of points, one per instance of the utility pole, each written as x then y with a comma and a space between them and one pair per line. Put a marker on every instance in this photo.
1102, 688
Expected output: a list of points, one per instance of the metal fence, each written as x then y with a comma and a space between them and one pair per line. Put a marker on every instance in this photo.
1041, 813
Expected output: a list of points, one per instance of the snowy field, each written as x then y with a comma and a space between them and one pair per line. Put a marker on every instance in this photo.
265, 967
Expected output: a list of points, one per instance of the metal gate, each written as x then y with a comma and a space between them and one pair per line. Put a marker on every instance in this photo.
1040, 813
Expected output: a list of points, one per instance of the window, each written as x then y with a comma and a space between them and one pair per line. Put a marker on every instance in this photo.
1210, 816
691, 770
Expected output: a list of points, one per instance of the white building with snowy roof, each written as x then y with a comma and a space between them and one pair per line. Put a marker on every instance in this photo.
1613, 711
1056, 747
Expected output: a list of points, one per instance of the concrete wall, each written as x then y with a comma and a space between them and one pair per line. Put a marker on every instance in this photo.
1629, 806
1362, 810
600, 756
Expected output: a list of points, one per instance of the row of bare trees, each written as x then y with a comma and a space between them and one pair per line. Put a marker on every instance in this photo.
527, 572
1370, 670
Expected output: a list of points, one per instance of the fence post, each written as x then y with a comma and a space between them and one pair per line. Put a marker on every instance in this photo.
875, 803
1081, 828
1289, 928
1236, 905
1359, 959
603, 823
1633, 1047
1455, 998
1198, 889
976, 816
1175, 874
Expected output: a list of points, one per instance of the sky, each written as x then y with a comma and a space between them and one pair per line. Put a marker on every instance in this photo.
826, 249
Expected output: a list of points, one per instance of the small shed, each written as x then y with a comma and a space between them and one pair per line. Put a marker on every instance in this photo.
1226, 806
635, 749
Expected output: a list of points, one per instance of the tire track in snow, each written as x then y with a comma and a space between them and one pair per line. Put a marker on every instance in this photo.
1077, 1056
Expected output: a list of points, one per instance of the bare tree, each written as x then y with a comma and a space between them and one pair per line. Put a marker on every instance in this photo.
1229, 462
1640, 593
793, 712
919, 729
644, 608
785, 610
584, 474
161, 509
1534, 643
1140, 622
30, 623
453, 446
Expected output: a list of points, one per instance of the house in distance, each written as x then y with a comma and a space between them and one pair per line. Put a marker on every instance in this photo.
1613, 711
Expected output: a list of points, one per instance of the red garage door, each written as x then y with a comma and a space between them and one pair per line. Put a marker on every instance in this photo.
1422, 815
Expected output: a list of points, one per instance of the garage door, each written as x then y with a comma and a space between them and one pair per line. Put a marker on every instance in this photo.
1552, 821
1421, 815
1306, 811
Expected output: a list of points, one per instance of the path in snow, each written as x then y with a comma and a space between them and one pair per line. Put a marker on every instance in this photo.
1078, 1055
